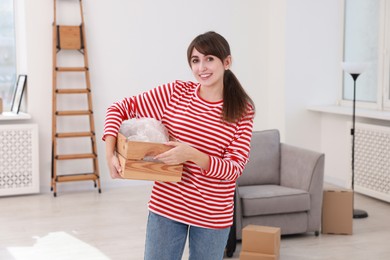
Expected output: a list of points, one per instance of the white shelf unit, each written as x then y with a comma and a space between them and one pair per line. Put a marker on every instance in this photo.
19, 160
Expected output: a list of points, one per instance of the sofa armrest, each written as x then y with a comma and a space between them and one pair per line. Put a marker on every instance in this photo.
301, 168
304, 169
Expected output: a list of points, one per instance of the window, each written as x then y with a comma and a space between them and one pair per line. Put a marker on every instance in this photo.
367, 39
361, 35
7, 52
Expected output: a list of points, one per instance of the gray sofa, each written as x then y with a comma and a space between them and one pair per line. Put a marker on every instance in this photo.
281, 186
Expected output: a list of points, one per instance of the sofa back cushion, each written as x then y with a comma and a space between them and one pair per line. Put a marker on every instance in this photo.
264, 159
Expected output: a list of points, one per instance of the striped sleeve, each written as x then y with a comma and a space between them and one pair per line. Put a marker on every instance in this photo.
148, 104
231, 166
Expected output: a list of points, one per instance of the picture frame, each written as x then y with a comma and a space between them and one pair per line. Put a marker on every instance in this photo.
18, 93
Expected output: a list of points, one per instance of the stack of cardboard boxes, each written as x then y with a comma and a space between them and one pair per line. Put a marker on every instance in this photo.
260, 243
263, 243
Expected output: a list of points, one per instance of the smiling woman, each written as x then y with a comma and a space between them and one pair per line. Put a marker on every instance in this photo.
210, 124
210, 59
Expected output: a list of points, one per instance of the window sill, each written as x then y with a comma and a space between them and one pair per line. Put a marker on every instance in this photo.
5, 116
347, 111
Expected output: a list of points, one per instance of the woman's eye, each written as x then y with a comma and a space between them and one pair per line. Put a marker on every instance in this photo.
194, 60
210, 59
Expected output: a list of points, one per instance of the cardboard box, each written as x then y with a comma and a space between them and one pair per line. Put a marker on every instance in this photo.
131, 155
261, 239
244, 255
337, 212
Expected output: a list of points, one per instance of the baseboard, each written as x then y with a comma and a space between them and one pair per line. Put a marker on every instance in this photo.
332, 181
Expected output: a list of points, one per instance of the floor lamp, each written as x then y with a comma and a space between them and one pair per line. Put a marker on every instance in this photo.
354, 69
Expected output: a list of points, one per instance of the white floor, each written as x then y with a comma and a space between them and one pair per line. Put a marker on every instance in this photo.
111, 225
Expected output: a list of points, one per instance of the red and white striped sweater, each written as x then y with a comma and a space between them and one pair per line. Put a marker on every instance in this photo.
203, 197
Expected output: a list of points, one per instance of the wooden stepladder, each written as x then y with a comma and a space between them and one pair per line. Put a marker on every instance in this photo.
70, 40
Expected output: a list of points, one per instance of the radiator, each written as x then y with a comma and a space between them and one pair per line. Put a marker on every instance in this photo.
19, 170
372, 161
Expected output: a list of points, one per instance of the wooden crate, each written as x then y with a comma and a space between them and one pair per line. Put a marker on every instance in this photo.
131, 155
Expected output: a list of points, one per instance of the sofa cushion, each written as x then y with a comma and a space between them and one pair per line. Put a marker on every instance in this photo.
272, 199
264, 159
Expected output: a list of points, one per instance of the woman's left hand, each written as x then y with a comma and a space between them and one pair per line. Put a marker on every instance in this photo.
180, 153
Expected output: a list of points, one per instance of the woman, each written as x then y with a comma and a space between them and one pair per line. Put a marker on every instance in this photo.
211, 122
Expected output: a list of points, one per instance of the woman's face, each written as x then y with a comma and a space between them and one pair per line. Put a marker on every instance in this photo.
208, 69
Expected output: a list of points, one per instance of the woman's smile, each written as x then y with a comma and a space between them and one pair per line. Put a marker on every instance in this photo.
205, 76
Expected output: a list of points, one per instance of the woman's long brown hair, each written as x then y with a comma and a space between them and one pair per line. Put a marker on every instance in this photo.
235, 99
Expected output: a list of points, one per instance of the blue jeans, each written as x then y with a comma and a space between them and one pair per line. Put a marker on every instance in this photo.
165, 240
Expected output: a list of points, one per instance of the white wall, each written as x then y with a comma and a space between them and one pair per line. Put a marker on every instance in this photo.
136, 45
276, 68
314, 37
286, 54
313, 55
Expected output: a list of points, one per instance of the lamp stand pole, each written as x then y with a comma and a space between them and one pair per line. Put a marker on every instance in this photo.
357, 213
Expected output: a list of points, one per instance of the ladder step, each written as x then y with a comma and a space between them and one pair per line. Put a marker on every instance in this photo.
76, 156
71, 69
75, 134
74, 113
77, 177
73, 91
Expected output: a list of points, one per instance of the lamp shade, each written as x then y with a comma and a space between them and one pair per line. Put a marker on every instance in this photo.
354, 67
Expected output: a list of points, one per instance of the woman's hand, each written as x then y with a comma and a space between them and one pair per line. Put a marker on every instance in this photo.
114, 166
178, 154
181, 153
113, 163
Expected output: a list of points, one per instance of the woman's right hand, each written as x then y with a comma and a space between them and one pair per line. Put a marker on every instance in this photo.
114, 165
